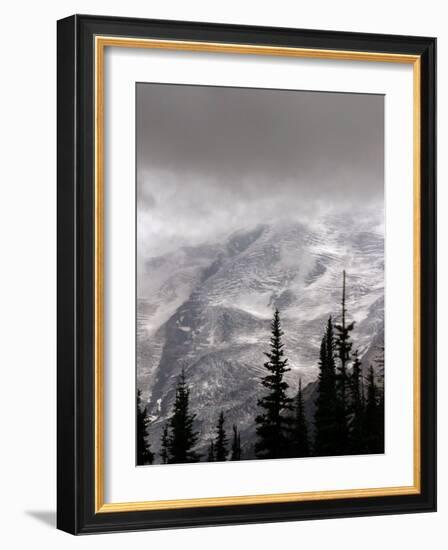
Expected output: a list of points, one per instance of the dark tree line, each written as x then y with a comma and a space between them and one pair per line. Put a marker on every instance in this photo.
348, 417
179, 437
218, 449
300, 438
273, 424
144, 454
349, 411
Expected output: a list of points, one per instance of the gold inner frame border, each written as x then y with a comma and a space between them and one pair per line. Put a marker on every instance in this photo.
100, 43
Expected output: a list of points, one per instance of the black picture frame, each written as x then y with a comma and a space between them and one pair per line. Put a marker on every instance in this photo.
76, 270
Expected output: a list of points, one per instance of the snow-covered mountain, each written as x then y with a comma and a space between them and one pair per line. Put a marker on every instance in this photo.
208, 309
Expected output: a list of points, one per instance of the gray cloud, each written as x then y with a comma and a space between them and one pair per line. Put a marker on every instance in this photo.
213, 159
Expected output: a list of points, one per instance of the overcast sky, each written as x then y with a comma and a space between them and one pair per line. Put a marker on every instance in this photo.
211, 160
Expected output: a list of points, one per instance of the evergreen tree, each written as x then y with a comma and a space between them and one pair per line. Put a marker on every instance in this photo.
380, 420
343, 346
374, 429
221, 440
164, 445
236, 445
211, 452
144, 454
300, 441
182, 436
379, 361
274, 422
362, 393
326, 443
356, 444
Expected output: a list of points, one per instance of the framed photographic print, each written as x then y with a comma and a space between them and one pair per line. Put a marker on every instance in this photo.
246, 274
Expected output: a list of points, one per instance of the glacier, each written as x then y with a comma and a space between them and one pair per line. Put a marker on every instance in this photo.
208, 309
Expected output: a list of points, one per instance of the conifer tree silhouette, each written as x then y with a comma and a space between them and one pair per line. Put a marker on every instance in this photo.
164, 445
221, 440
356, 435
144, 454
274, 422
343, 346
326, 442
374, 418
236, 444
300, 441
182, 437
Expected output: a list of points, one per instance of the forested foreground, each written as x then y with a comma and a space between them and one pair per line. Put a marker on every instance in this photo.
348, 417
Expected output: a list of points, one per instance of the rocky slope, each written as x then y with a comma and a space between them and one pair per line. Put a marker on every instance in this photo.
208, 309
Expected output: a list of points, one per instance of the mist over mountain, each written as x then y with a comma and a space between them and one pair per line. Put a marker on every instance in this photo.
208, 308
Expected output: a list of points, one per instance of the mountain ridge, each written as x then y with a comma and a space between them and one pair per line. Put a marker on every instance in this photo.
208, 309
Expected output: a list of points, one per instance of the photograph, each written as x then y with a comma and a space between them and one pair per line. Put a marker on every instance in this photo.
260, 287
246, 322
